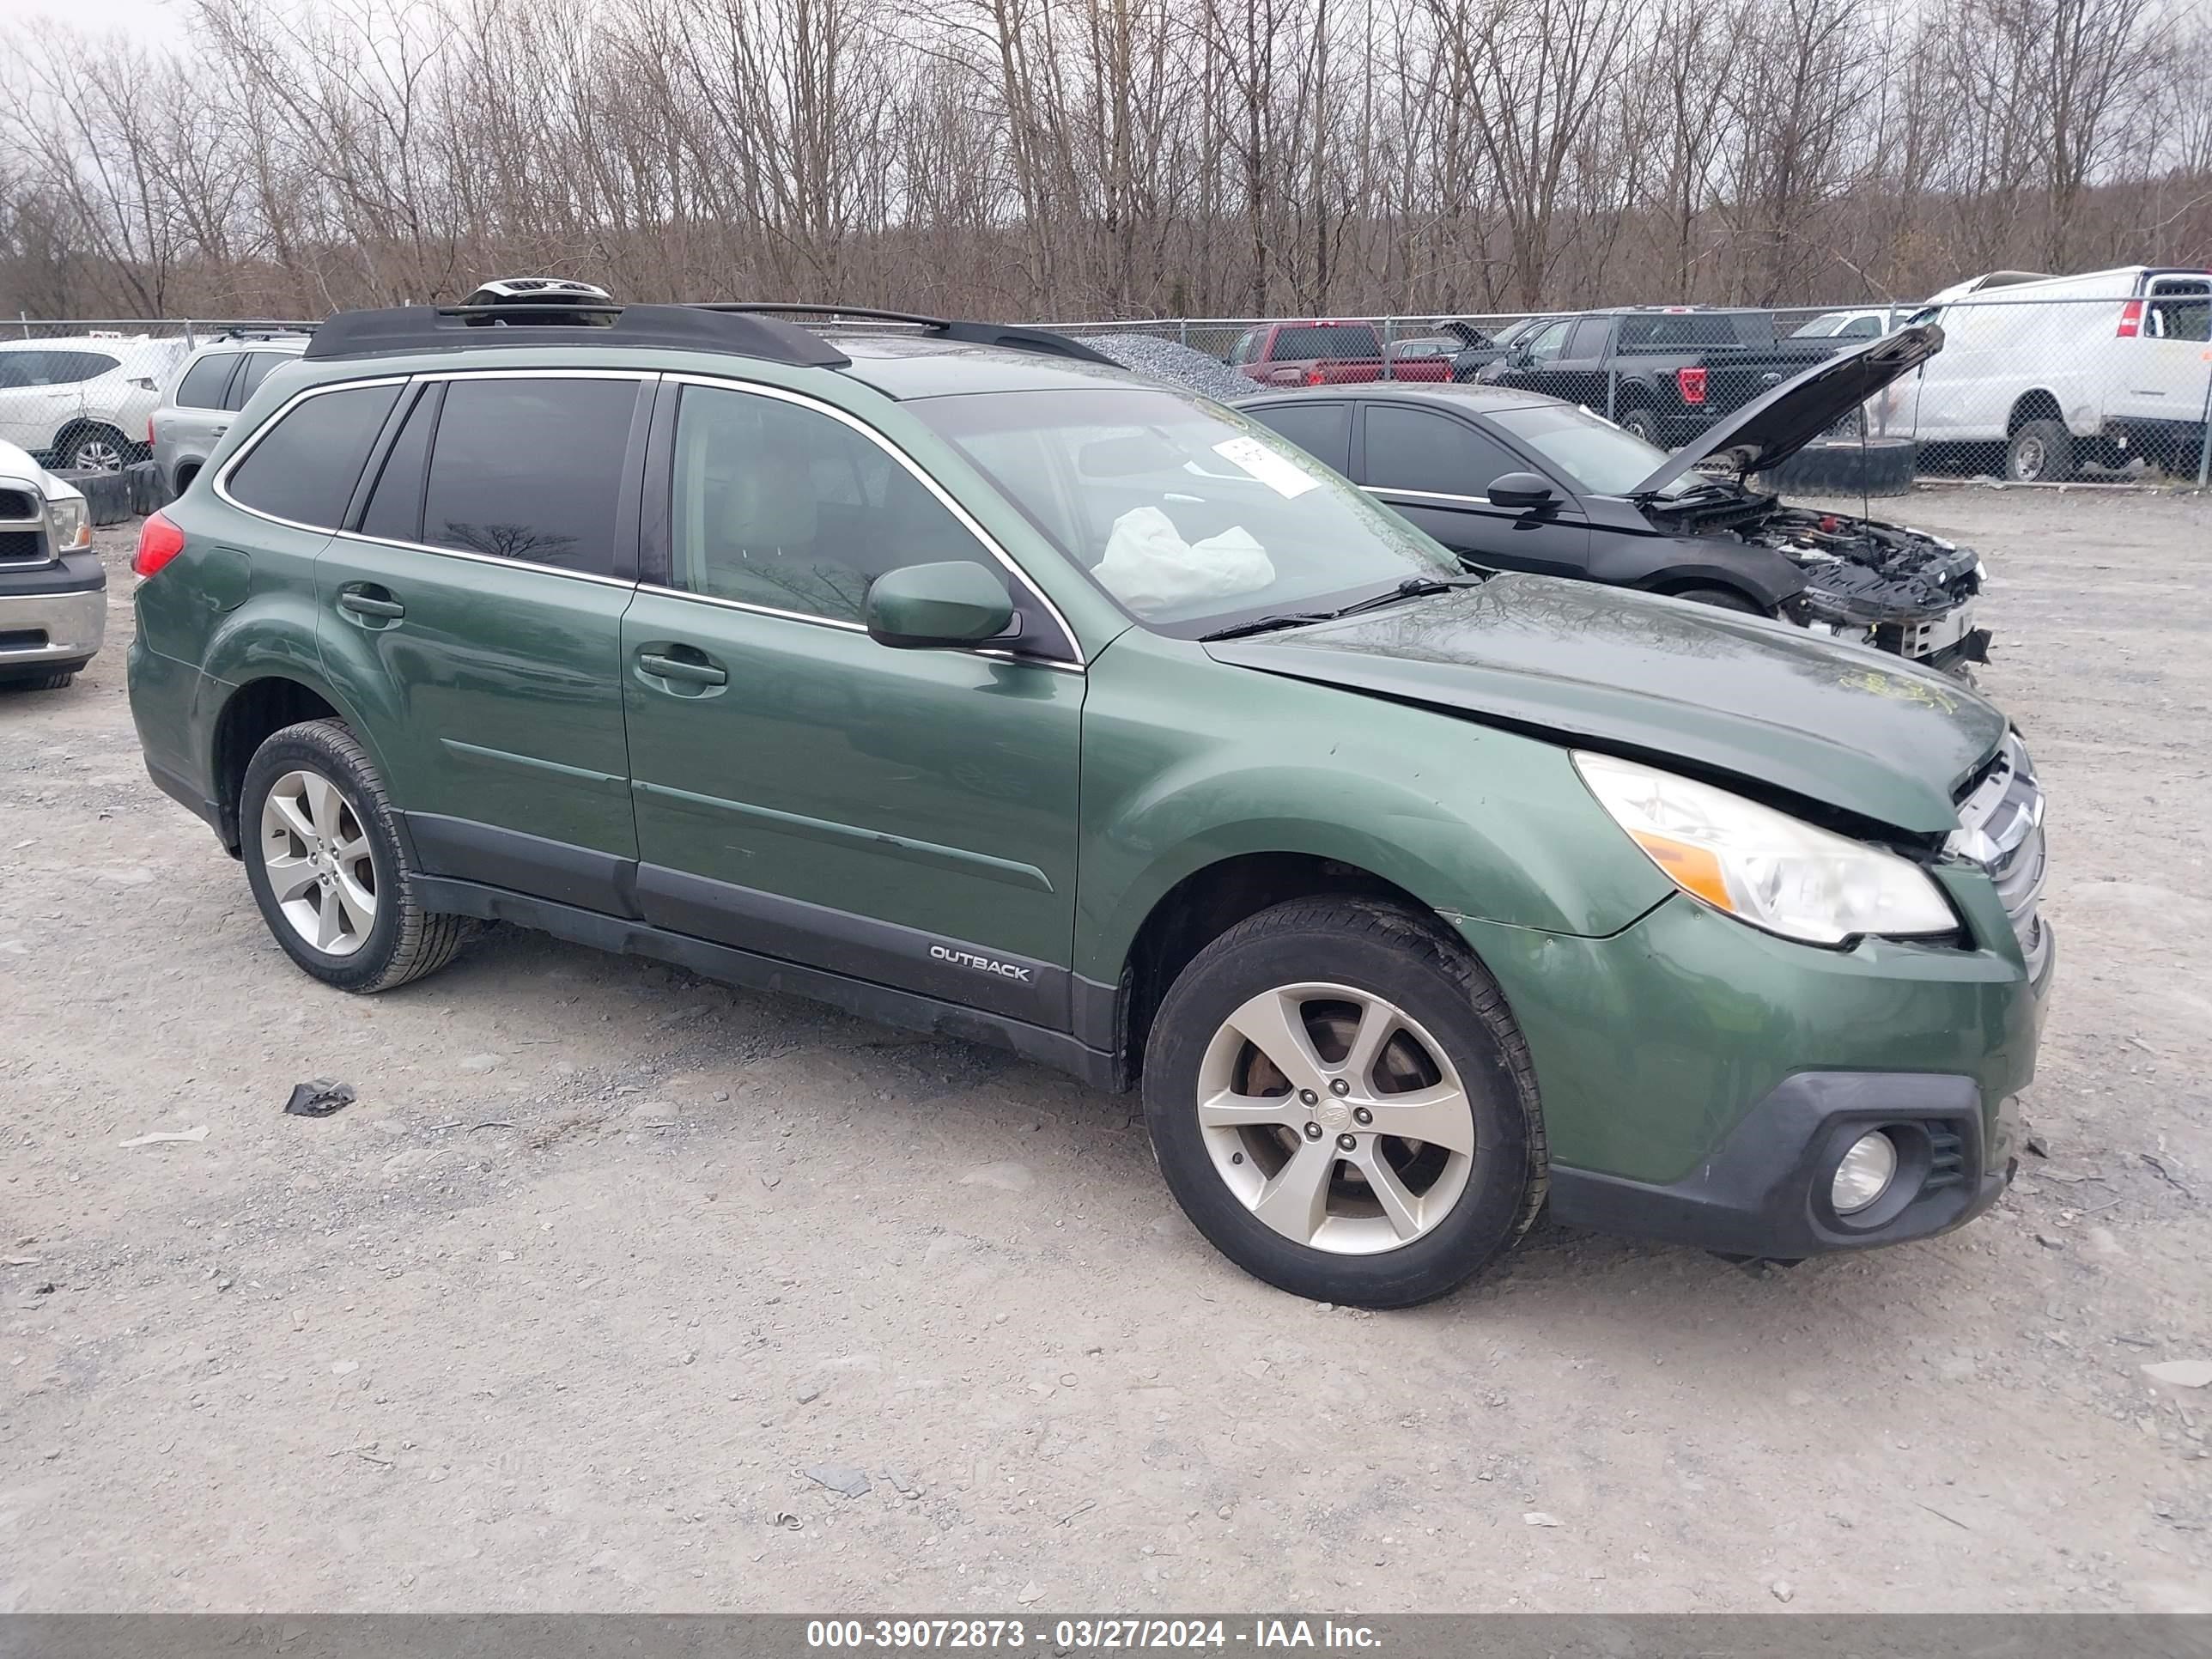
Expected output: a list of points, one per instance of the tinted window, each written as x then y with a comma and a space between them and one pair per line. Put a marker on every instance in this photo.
305, 467
1329, 344
258, 365
1690, 328
531, 469
69, 368
1418, 449
202, 386
1322, 430
780, 505
1588, 341
395, 505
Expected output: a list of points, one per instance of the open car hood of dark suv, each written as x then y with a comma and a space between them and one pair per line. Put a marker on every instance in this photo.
1774, 425
1682, 685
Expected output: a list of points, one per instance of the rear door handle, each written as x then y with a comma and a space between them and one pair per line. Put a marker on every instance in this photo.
680, 668
364, 603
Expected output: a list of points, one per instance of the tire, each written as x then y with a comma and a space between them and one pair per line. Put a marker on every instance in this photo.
1643, 423
402, 941
93, 447
1426, 991
1720, 598
2041, 451
1847, 466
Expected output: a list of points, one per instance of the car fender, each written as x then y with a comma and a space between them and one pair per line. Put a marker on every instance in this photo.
273, 637
1658, 563
1469, 820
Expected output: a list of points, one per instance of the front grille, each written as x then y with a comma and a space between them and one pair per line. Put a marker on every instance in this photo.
22, 547
16, 505
2001, 828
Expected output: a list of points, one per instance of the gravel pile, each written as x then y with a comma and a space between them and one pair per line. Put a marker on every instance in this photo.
1178, 365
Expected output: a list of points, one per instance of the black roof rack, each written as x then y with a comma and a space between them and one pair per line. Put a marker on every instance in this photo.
750, 329
1012, 336
454, 328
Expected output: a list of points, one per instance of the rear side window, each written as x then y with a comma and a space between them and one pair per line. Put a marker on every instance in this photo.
202, 386
258, 365
1415, 449
531, 469
73, 368
304, 466
394, 512
1322, 430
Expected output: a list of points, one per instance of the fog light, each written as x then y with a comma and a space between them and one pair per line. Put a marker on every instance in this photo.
1865, 1173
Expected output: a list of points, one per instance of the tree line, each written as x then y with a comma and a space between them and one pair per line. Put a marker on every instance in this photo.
1073, 158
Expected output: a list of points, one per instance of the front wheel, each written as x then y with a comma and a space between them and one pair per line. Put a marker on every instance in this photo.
324, 858
1720, 598
1341, 1103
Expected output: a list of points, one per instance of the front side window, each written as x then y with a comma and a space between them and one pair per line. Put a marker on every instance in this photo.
1247, 343
784, 507
1322, 430
1190, 515
531, 469
1420, 449
203, 382
1544, 345
1590, 452
304, 467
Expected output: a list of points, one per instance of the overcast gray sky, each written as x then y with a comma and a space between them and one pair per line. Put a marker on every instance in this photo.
155, 22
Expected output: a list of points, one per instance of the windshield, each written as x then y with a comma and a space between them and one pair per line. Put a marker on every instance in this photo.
1821, 327
1593, 454
1187, 514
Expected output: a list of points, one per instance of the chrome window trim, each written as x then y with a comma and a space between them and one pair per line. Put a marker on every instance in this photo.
967, 520
221, 485
478, 558
1428, 494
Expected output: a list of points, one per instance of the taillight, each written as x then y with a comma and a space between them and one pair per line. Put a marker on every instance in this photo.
2131, 321
159, 542
149, 432
1692, 384
1315, 376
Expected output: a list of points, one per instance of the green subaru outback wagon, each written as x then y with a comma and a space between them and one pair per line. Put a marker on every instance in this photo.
951, 675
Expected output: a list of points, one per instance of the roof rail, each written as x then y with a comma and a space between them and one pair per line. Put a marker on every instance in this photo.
1012, 336
454, 328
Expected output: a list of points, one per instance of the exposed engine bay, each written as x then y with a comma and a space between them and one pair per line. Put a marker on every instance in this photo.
1871, 583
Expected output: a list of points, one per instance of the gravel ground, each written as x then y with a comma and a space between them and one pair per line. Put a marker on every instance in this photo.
606, 1258
1178, 365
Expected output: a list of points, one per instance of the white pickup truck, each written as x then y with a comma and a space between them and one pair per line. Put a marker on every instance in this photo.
2103, 367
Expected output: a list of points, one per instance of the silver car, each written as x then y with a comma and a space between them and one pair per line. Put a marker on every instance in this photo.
53, 591
82, 402
209, 389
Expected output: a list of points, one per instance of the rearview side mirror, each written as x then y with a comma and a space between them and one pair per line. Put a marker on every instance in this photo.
921, 606
1522, 489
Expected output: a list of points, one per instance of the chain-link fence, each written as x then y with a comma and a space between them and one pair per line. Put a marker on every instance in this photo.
2104, 378
2101, 378
80, 394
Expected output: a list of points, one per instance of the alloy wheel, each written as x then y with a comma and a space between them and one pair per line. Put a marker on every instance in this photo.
95, 455
315, 853
1335, 1118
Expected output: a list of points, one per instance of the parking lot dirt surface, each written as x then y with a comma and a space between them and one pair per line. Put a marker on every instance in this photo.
605, 1259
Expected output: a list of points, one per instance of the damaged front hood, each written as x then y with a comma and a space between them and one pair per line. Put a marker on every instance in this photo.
1774, 425
1668, 681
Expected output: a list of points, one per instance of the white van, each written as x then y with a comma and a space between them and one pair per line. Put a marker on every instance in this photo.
2101, 367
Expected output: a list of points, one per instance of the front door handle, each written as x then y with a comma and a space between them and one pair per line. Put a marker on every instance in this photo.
371, 602
690, 673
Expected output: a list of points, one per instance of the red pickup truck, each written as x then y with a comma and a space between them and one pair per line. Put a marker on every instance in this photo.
1321, 353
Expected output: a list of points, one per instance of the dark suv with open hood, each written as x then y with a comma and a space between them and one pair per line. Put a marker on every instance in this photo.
950, 674
1513, 481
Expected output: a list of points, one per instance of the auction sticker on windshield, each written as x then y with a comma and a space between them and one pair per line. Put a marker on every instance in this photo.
1286, 478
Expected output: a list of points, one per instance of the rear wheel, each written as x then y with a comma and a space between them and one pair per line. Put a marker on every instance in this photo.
1341, 1103
1643, 423
324, 860
94, 449
2041, 451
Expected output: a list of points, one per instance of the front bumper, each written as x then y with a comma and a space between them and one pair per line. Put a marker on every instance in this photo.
53, 616
1696, 1074
1764, 1192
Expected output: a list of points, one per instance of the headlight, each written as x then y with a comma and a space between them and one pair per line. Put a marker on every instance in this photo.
1763, 866
70, 523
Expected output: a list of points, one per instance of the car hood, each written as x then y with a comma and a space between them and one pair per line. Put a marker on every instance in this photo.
1680, 684
1774, 425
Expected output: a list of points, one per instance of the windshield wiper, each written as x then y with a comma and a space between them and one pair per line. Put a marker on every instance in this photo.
1413, 587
